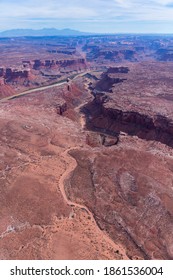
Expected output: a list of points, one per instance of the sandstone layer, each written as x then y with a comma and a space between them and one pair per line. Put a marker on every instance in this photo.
86, 167
36, 222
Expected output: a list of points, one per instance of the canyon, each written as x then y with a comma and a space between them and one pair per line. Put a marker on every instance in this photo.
86, 162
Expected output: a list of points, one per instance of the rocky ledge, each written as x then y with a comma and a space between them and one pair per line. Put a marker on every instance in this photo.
114, 109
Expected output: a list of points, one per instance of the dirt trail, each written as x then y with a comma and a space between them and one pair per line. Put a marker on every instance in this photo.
71, 165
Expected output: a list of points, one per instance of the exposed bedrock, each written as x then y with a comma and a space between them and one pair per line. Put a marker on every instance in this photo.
129, 197
121, 69
79, 62
61, 108
113, 121
106, 83
9, 74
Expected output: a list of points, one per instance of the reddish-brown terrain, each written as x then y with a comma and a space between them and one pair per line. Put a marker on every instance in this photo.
36, 220
86, 165
30, 63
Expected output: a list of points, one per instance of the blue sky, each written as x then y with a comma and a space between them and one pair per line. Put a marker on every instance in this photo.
110, 16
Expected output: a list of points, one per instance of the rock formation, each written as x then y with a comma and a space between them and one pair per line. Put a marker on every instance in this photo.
130, 197
106, 83
86, 166
76, 63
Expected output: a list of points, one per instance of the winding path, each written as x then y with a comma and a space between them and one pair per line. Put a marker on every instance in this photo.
72, 164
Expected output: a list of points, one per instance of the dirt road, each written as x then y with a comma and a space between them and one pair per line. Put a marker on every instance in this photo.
71, 165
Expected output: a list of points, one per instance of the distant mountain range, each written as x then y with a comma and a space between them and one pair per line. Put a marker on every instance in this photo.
42, 32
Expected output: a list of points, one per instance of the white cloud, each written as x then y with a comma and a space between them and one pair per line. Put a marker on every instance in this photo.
103, 11
46, 10
163, 2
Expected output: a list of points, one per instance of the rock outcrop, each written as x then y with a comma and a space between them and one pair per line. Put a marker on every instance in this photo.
113, 121
76, 63
121, 69
106, 83
10, 74
109, 141
61, 107
129, 190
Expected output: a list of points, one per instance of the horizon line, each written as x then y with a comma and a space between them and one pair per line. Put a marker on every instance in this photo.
88, 33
